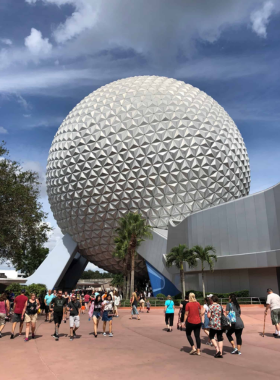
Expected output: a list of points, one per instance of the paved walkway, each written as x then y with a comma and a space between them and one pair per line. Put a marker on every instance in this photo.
139, 349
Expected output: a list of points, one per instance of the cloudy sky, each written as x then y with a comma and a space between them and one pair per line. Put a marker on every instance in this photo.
55, 52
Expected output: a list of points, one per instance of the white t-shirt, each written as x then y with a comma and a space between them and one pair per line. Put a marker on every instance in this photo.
206, 308
273, 300
108, 305
117, 300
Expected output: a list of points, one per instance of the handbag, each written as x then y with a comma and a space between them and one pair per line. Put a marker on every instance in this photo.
232, 314
225, 322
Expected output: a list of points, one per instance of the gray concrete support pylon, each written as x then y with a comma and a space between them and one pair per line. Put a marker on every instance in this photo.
54, 268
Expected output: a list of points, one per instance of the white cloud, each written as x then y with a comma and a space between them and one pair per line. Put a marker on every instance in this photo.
54, 236
3, 131
37, 44
23, 102
6, 41
260, 18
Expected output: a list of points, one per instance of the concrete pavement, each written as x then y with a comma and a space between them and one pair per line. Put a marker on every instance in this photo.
139, 349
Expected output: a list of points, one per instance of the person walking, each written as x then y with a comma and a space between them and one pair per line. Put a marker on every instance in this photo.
66, 296
107, 314
4, 311
47, 300
56, 305
205, 323
142, 300
134, 304
233, 310
116, 300
273, 302
87, 299
29, 315
192, 320
18, 308
148, 306
182, 311
169, 309
215, 314
74, 307
95, 312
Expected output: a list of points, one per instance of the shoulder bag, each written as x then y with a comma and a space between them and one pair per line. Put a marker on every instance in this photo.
225, 322
232, 314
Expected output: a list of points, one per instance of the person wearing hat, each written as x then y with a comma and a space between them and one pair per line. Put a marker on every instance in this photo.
18, 309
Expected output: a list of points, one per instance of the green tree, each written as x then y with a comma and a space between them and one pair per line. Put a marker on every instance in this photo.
177, 256
203, 254
28, 261
131, 232
117, 280
22, 221
95, 275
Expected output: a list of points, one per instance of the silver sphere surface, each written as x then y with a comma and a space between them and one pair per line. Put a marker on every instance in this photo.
146, 143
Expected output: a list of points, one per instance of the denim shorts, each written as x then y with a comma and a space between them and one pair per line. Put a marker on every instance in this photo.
96, 314
205, 324
105, 317
134, 310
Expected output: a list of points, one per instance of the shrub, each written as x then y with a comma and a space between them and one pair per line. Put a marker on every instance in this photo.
38, 289
160, 295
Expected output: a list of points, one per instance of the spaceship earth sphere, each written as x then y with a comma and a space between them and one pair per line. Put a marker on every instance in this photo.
147, 143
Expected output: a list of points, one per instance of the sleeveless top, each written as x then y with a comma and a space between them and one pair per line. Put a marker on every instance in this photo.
3, 307
31, 307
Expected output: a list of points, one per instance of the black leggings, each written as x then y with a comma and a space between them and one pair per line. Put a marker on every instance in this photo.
190, 327
238, 333
169, 317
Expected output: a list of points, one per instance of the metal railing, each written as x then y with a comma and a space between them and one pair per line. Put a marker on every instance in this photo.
222, 301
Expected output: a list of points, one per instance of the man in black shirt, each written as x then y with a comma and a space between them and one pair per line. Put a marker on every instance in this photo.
183, 309
74, 307
56, 305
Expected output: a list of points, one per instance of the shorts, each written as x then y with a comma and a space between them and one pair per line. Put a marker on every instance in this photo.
148, 308
2, 319
74, 320
96, 314
219, 333
134, 310
275, 316
142, 301
30, 318
57, 318
105, 317
47, 309
83, 308
17, 318
115, 308
205, 324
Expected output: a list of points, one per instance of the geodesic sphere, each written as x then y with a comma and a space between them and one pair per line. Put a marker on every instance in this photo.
146, 143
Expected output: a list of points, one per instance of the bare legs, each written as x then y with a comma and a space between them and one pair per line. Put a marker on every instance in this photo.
95, 324
110, 327
20, 327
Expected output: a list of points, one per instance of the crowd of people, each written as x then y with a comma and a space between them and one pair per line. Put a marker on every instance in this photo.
57, 306
215, 321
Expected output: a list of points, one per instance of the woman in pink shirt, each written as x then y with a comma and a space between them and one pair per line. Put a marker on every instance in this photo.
4, 311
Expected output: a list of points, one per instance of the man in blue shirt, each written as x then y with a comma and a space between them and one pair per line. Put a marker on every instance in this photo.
47, 300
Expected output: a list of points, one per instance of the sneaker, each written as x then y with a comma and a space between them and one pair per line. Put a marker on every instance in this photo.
54, 335
111, 334
208, 343
235, 351
26, 339
192, 352
33, 336
12, 336
56, 338
217, 354
71, 338
275, 334
239, 353
104, 334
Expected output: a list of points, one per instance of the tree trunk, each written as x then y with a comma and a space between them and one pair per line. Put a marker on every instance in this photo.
203, 285
132, 271
128, 286
124, 286
183, 281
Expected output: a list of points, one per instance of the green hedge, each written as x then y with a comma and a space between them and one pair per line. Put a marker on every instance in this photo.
160, 295
38, 289
239, 293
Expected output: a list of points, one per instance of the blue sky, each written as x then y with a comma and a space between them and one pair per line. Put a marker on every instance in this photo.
55, 52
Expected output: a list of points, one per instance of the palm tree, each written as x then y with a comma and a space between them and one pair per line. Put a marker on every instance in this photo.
204, 256
177, 256
132, 230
